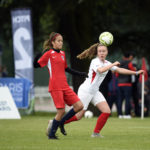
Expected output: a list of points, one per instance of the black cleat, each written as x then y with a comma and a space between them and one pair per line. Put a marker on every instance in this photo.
54, 137
62, 129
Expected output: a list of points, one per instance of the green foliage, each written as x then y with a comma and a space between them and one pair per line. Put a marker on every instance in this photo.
5, 3
80, 22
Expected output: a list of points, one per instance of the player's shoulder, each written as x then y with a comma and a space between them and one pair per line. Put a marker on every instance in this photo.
95, 60
107, 62
62, 52
46, 51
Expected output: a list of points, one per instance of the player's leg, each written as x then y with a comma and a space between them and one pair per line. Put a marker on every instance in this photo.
127, 93
70, 99
120, 101
55, 123
85, 100
76, 107
60, 106
102, 105
76, 117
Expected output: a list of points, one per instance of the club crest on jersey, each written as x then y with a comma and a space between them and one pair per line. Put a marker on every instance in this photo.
62, 57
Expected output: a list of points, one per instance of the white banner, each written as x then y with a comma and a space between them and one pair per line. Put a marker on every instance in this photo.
8, 109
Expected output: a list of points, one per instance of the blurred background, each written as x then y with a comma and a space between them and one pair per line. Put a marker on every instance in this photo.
80, 22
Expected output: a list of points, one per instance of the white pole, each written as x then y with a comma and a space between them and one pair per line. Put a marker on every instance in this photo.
142, 98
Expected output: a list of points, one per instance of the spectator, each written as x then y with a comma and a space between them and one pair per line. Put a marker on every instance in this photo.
125, 86
104, 87
4, 71
113, 91
135, 97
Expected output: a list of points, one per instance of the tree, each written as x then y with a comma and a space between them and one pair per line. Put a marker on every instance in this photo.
81, 22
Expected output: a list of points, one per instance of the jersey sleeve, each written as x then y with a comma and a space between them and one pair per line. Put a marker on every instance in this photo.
95, 65
44, 59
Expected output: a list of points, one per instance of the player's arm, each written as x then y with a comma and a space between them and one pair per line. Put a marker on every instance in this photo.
128, 72
35, 62
108, 67
75, 72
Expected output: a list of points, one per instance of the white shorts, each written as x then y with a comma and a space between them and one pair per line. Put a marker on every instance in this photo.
87, 97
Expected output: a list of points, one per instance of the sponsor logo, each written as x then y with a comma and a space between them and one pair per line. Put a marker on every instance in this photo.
62, 57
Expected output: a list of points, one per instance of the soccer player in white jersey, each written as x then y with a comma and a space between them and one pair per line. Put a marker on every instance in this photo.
89, 89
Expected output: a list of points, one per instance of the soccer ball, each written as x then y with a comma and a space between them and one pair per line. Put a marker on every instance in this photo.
88, 114
106, 38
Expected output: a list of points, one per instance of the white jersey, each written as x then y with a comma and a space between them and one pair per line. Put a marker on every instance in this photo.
94, 80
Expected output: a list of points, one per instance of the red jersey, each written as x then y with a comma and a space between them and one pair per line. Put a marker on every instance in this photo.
56, 64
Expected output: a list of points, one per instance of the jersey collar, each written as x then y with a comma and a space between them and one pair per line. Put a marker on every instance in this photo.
56, 50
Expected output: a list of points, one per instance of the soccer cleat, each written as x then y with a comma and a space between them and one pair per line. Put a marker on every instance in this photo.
62, 129
96, 135
127, 116
120, 116
54, 137
50, 122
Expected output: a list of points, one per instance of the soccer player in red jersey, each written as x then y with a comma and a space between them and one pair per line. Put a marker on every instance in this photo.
61, 93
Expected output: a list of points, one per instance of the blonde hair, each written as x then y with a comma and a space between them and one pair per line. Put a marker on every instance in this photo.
48, 43
90, 52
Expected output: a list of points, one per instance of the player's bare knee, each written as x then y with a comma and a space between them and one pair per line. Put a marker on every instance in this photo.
78, 106
107, 111
61, 112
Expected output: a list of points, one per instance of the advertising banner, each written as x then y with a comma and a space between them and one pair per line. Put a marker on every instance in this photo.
23, 47
8, 109
22, 43
20, 90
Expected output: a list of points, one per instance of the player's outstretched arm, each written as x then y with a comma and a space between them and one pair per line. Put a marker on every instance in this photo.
75, 72
128, 72
103, 69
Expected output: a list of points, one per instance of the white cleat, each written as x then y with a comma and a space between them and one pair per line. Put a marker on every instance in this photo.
120, 116
94, 135
127, 117
50, 122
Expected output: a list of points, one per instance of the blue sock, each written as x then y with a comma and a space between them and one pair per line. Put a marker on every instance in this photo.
54, 127
70, 114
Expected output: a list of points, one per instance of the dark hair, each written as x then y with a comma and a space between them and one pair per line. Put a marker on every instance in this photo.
48, 43
128, 54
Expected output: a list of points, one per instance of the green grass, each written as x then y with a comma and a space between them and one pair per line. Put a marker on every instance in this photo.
119, 134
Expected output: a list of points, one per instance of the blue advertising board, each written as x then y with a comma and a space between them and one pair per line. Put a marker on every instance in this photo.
19, 88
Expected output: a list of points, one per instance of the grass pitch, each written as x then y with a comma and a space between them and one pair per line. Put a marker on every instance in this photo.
119, 134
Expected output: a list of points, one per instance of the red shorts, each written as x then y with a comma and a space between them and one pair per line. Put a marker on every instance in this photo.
62, 97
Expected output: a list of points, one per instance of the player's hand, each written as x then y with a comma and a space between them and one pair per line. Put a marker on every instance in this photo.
141, 72
116, 63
